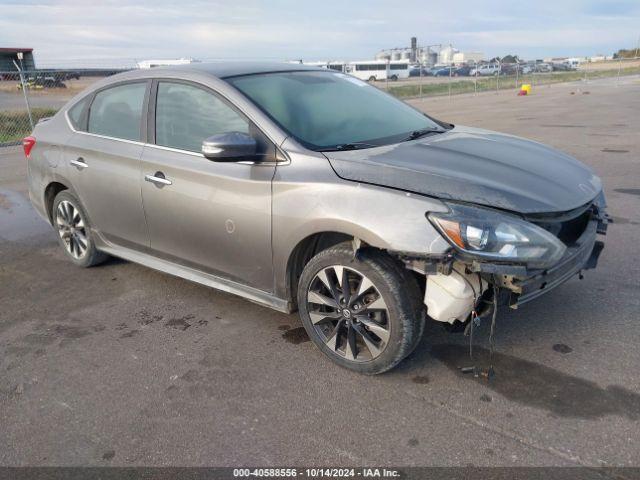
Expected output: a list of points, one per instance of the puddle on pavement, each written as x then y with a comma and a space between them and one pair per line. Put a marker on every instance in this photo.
420, 379
180, 323
18, 219
562, 348
296, 335
542, 387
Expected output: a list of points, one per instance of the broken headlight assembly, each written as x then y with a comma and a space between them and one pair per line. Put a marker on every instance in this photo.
495, 236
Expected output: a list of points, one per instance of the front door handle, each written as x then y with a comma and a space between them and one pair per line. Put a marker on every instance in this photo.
80, 163
158, 178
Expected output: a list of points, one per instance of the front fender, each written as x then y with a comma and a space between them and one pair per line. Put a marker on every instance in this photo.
309, 198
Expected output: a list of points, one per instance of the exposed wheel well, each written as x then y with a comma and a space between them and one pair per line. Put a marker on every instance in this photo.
305, 251
53, 189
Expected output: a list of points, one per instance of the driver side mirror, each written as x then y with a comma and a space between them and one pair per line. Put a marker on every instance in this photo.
229, 147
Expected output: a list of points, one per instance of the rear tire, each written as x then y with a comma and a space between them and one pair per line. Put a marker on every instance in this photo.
372, 78
375, 323
73, 229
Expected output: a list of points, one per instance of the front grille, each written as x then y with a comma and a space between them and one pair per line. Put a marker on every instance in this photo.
567, 226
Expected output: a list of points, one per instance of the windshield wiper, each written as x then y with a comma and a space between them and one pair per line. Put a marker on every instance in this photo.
422, 132
349, 146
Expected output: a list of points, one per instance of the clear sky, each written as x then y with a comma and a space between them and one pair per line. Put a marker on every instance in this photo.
118, 31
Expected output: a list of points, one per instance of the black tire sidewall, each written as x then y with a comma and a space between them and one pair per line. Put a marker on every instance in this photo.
93, 256
388, 280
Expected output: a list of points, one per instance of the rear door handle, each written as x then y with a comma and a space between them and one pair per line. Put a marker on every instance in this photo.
80, 163
158, 178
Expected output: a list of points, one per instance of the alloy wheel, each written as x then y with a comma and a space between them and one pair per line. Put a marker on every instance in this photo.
72, 230
348, 313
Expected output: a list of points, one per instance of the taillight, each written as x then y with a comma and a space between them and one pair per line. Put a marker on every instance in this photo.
27, 144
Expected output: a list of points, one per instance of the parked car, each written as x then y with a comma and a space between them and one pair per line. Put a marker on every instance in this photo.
515, 69
543, 67
442, 71
525, 69
573, 64
418, 71
300, 188
71, 75
508, 68
561, 67
462, 71
486, 69
41, 81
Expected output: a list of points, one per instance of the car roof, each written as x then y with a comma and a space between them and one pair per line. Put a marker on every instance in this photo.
226, 69
220, 69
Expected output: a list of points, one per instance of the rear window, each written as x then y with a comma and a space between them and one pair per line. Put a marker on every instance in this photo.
117, 111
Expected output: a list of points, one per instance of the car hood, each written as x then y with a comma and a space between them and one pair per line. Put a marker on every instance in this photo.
477, 166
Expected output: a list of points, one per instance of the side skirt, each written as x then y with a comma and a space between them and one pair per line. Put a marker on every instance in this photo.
252, 294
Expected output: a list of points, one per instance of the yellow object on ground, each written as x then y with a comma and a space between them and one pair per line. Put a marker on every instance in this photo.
526, 88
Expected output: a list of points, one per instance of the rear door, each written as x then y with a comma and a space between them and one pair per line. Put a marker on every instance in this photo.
104, 157
213, 216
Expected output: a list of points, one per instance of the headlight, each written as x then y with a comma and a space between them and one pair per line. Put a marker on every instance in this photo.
492, 235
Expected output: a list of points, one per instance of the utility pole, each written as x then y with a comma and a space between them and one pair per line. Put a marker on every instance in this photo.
24, 87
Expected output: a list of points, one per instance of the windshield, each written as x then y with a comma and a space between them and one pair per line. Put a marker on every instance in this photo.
325, 110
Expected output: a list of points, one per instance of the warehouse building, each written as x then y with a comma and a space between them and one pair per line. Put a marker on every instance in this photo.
429, 55
9, 55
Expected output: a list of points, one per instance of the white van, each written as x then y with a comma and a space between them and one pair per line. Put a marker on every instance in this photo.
337, 66
166, 62
373, 70
486, 70
573, 63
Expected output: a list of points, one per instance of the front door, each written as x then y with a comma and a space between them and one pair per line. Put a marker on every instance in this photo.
212, 216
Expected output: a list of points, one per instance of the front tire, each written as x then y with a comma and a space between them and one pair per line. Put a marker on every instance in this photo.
74, 231
364, 313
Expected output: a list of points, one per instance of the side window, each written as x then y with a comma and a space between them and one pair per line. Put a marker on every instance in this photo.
76, 114
186, 115
117, 111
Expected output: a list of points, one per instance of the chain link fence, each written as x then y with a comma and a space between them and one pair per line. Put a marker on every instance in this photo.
26, 97
452, 80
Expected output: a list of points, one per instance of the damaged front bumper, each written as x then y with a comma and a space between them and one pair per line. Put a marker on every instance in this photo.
458, 283
581, 256
521, 284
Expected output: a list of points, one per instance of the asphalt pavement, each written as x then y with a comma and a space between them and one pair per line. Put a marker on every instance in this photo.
123, 365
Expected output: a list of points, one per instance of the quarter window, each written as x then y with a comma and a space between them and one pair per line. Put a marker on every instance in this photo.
186, 115
117, 111
76, 113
